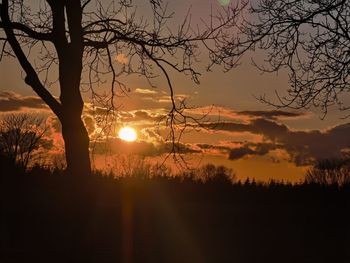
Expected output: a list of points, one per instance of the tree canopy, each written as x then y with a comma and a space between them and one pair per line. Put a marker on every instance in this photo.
308, 38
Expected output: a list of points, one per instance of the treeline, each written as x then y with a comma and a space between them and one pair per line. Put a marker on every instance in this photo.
329, 172
49, 217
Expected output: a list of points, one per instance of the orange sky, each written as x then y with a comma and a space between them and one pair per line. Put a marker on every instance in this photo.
252, 138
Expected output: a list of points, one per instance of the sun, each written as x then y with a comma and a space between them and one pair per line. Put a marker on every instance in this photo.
127, 134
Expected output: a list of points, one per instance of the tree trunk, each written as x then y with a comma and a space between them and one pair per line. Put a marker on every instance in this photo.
76, 141
74, 133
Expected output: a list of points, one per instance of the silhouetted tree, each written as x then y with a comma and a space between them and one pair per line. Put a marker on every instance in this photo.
80, 36
211, 173
310, 39
20, 136
329, 172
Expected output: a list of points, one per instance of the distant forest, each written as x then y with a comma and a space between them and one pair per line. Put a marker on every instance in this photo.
47, 216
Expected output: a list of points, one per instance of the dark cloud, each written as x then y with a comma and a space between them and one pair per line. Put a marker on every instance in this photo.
251, 149
244, 116
304, 147
10, 101
264, 148
272, 115
267, 128
205, 146
243, 149
239, 153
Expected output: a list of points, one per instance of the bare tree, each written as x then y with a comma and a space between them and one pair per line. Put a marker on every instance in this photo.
329, 172
20, 137
309, 38
211, 173
83, 37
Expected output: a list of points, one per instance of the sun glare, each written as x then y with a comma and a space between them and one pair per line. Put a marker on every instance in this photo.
127, 134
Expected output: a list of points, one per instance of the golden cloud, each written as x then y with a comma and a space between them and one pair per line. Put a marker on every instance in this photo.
122, 59
145, 91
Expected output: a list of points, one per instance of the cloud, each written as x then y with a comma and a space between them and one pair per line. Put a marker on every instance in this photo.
206, 146
272, 114
267, 128
210, 149
251, 149
307, 146
122, 59
10, 101
238, 153
102, 113
54, 144
216, 111
143, 148
245, 116
145, 91
303, 147
89, 124
156, 98
164, 99
140, 115
54, 124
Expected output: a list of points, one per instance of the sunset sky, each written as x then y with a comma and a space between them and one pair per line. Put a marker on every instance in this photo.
254, 139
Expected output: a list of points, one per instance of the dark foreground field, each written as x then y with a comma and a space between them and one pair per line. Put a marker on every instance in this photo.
53, 219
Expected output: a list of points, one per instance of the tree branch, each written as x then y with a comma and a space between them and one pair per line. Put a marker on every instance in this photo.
32, 78
28, 31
